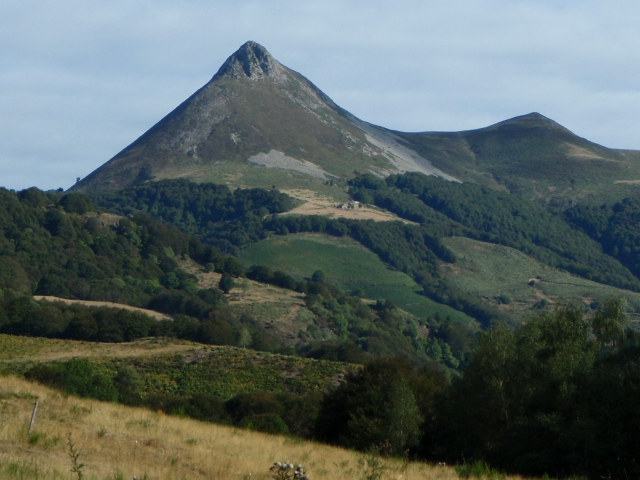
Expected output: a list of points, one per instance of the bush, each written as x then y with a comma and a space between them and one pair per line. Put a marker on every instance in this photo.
130, 385
76, 377
266, 422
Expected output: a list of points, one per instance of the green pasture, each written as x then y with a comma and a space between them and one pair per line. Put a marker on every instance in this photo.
348, 265
521, 285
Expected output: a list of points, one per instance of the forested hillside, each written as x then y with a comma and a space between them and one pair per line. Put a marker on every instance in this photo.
449, 209
53, 245
56, 245
218, 216
411, 249
441, 208
616, 227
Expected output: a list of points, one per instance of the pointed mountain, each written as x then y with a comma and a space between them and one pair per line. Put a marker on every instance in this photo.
258, 123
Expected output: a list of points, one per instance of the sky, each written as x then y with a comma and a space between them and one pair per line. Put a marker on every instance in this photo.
82, 79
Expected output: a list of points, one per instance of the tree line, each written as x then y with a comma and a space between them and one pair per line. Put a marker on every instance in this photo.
218, 216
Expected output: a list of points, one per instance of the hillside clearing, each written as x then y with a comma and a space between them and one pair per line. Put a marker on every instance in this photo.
283, 311
182, 368
246, 291
315, 204
37, 349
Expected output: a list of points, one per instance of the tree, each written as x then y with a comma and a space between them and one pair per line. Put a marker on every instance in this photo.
226, 283
379, 405
403, 418
318, 276
609, 322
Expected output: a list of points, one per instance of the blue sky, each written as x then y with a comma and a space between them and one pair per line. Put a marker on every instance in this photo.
81, 79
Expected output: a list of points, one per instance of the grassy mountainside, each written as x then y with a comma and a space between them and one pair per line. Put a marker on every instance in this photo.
350, 266
532, 156
519, 285
116, 441
452, 209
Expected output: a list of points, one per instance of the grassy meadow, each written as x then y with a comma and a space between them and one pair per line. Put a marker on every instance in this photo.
119, 442
488, 271
348, 265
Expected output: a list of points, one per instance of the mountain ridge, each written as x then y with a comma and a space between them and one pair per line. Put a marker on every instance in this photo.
257, 123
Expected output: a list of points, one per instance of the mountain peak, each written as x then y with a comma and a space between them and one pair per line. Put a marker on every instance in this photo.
253, 62
533, 120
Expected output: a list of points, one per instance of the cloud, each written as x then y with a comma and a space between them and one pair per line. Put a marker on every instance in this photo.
81, 79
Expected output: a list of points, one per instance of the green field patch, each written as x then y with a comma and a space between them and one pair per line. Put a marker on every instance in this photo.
348, 265
520, 285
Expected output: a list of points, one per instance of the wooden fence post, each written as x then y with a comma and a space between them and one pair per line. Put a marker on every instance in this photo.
33, 417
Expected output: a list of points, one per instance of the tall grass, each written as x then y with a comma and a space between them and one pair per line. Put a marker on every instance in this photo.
115, 441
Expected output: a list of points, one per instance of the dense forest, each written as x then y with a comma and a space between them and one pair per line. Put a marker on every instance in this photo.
615, 227
55, 246
218, 216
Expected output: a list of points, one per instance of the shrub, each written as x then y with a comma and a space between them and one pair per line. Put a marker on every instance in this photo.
265, 422
76, 377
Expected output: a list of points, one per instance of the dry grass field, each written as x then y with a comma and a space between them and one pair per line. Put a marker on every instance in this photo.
93, 303
39, 349
118, 442
281, 310
246, 291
